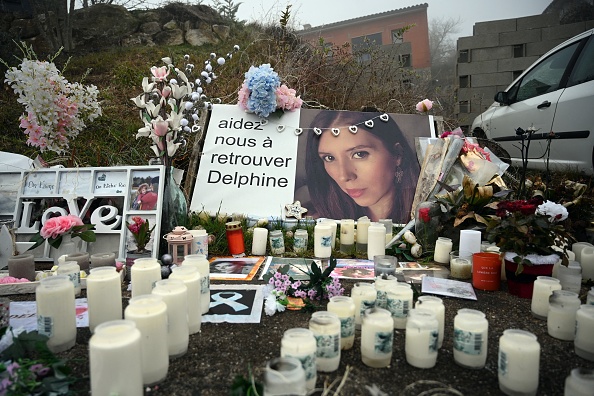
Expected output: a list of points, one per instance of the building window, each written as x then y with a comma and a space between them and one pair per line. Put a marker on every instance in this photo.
464, 81
516, 74
464, 56
464, 106
328, 49
405, 60
364, 42
397, 36
519, 51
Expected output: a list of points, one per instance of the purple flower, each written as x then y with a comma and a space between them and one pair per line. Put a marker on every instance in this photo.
11, 368
278, 275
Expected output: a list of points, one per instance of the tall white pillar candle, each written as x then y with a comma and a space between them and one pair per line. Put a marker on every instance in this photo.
191, 278
72, 270
259, 241
201, 262
175, 295
584, 342
399, 301
333, 226
376, 240
344, 308
377, 337
300, 343
435, 305
471, 330
115, 359
422, 332
443, 248
563, 306
322, 240
149, 313
56, 312
570, 276
364, 296
104, 296
518, 362
326, 329
587, 262
577, 248
470, 241
362, 234
347, 235
143, 275
543, 288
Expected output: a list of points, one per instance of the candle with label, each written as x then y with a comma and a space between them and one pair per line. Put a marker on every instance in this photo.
435, 305
377, 337
201, 262
191, 278
376, 240
72, 270
543, 288
563, 306
235, 241
300, 343
199, 242
326, 329
334, 227
584, 342
149, 313
259, 241
175, 295
322, 241
300, 241
381, 287
518, 362
144, 274
422, 333
344, 308
347, 235
399, 301
284, 376
56, 313
104, 296
471, 330
364, 296
443, 248
362, 234
277, 242
82, 258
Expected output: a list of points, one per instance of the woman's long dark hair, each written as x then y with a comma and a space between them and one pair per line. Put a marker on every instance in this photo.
327, 197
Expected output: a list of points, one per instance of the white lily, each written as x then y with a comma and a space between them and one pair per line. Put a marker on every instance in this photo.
155, 150
139, 101
152, 109
146, 86
145, 131
174, 119
172, 148
166, 60
179, 91
182, 76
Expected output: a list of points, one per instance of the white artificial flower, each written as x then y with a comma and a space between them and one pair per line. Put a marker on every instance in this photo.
166, 60
280, 307
146, 87
555, 211
270, 305
416, 250
409, 237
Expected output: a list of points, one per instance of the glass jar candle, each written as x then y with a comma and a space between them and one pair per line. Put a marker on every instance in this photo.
584, 331
322, 240
376, 240
284, 376
326, 329
443, 248
344, 308
422, 333
563, 306
334, 228
471, 330
347, 235
201, 262
399, 301
175, 295
381, 286
461, 264
300, 241
56, 313
543, 288
115, 359
435, 305
259, 239
518, 362
377, 337
72, 270
104, 296
149, 313
361, 238
384, 265
277, 242
579, 382
300, 343
364, 296
82, 258
570, 276
235, 240
191, 278
145, 272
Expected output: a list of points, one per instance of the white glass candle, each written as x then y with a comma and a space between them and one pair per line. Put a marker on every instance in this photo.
175, 295
149, 313
376, 240
470, 241
377, 337
300, 343
590, 298
570, 257
322, 240
388, 225
584, 332
422, 333
300, 241
102, 260
259, 241
344, 308
143, 275
82, 258
384, 265
199, 242
364, 296
570, 276
334, 227
579, 382
443, 248
191, 278
104, 296
326, 329
201, 262
543, 288
381, 286
56, 312
587, 262
563, 306
399, 301
461, 265
284, 376
277, 242
578, 247
72, 270
518, 362
362, 234
471, 330
435, 305
347, 235
115, 359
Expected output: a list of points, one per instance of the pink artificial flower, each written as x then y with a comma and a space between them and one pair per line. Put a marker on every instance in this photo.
56, 226
160, 73
243, 96
160, 127
424, 106
12, 279
286, 99
138, 220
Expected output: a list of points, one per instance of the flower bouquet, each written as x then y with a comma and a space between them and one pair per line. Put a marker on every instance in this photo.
56, 228
141, 232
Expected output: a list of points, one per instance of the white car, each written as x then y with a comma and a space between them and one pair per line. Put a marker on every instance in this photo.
555, 97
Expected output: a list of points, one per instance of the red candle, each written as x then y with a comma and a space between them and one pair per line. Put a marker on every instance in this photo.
235, 238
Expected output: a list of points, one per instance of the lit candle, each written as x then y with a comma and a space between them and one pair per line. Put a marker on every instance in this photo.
422, 333
543, 288
277, 242
333, 226
191, 278
381, 286
259, 241
584, 342
22, 266
344, 308
56, 312
326, 329
201, 262
144, 274
471, 330
322, 240
460, 265
563, 306
362, 234
399, 301
364, 296
518, 362
300, 241
72, 270
579, 382
175, 295
102, 260
104, 296
376, 240
149, 313
347, 235
284, 376
587, 262
435, 305
470, 241
443, 247
300, 343
377, 337
115, 359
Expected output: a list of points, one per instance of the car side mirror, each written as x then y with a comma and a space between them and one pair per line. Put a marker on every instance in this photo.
502, 98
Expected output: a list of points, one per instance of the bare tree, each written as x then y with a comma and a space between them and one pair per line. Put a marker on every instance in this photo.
442, 40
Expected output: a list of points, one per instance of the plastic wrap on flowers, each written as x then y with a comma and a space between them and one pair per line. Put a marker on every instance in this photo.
427, 215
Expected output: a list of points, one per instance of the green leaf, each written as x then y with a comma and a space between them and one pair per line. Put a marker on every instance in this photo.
88, 236
38, 239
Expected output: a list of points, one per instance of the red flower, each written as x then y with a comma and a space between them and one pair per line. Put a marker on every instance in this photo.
424, 215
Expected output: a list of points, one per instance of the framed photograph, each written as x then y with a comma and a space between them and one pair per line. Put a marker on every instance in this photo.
144, 192
231, 268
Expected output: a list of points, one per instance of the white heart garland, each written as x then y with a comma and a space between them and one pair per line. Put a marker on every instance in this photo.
369, 123
335, 131
384, 117
263, 121
353, 128
318, 131
298, 131
280, 128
